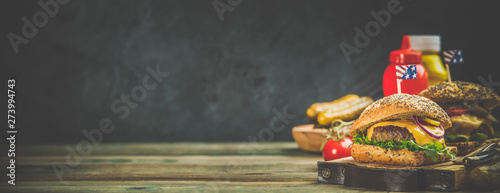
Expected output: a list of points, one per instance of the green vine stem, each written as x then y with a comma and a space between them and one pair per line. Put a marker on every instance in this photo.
337, 131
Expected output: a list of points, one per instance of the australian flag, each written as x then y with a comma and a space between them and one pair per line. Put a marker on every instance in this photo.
453, 57
406, 72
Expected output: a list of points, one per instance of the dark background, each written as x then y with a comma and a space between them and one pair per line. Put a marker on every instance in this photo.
225, 76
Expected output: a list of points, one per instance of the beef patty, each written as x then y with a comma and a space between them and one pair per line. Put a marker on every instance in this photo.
391, 132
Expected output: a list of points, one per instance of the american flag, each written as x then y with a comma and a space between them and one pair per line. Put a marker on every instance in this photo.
406, 71
453, 57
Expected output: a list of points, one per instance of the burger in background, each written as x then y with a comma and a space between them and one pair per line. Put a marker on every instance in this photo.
469, 107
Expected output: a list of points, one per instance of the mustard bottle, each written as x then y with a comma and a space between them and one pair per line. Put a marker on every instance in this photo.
430, 46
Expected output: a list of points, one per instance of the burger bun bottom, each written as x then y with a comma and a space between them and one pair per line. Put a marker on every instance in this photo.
402, 157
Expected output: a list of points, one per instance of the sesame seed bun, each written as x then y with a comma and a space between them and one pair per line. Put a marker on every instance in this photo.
399, 106
459, 91
401, 157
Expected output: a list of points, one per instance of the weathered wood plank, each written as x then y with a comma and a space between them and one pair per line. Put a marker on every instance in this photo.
234, 168
175, 186
242, 148
177, 172
179, 186
191, 159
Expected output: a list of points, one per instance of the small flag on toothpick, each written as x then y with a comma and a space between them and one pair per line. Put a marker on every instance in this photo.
452, 57
405, 72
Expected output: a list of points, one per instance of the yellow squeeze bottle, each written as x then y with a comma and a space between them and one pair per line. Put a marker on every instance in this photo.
430, 46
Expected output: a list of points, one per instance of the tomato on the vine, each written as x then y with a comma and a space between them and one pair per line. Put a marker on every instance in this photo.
337, 149
337, 144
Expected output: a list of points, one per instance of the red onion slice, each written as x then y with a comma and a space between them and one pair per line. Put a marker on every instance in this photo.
415, 119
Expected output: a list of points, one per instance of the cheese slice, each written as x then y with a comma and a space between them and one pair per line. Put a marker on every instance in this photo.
464, 124
421, 137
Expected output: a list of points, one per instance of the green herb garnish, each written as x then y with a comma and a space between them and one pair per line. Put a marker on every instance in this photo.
431, 149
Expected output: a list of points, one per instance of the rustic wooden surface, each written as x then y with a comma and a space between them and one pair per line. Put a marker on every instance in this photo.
173, 167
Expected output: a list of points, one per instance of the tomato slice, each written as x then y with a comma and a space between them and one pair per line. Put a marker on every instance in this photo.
456, 112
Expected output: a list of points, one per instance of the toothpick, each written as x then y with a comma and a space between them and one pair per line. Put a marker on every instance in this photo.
399, 85
448, 71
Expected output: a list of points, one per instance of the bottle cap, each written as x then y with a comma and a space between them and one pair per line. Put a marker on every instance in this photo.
426, 42
405, 55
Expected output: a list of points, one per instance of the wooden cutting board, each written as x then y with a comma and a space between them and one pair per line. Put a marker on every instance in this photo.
437, 177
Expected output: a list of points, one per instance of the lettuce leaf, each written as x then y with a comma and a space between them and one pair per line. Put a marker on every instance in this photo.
431, 149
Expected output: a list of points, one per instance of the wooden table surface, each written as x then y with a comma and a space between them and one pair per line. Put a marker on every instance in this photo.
172, 167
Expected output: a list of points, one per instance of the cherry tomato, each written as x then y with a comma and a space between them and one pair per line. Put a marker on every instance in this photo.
337, 149
456, 112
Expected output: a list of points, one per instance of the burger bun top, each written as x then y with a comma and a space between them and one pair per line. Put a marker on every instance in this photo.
399, 106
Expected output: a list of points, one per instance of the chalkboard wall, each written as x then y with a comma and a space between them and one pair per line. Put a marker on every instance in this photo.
225, 65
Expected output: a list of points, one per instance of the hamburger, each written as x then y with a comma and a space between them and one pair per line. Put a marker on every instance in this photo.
402, 130
469, 107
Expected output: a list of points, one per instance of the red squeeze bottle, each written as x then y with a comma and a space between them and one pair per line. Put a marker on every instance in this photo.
402, 58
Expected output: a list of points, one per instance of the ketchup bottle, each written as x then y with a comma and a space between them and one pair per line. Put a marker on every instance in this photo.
402, 57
